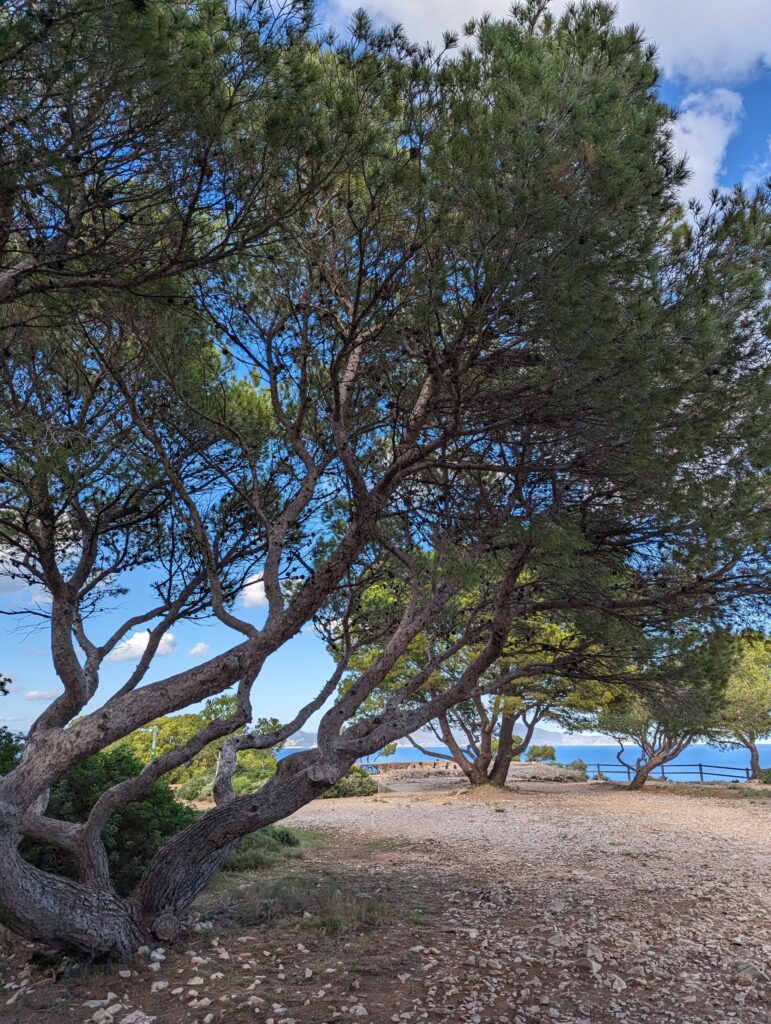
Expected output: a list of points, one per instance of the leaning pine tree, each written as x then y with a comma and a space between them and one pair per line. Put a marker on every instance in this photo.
340, 306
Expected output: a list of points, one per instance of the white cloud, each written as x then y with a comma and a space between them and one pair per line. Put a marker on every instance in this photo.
759, 170
41, 694
700, 40
706, 124
197, 649
253, 594
133, 648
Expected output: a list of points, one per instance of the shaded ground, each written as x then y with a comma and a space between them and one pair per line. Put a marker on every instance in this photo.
577, 904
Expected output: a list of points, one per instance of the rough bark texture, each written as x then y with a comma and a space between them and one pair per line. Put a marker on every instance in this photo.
47, 908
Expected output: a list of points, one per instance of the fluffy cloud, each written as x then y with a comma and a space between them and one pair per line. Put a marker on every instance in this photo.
760, 169
198, 649
133, 648
41, 694
700, 40
707, 122
253, 593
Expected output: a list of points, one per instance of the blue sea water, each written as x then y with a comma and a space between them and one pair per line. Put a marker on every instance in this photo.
716, 764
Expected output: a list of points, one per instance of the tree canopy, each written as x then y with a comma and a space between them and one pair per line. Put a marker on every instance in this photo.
332, 313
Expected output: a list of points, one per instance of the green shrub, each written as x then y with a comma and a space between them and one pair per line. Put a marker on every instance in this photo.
199, 787
765, 775
543, 753
579, 767
262, 849
11, 746
356, 782
131, 835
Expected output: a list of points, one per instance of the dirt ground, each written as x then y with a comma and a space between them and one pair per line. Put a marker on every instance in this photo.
574, 904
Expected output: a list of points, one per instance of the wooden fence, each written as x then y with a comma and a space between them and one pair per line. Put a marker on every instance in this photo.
670, 772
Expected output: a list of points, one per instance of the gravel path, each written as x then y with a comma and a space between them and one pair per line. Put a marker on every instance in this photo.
622, 906
555, 904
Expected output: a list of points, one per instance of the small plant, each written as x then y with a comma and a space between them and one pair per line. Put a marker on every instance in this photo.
356, 782
199, 787
262, 849
332, 903
765, 775
579, 767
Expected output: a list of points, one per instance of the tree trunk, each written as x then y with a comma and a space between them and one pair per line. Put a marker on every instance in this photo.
640, 776
91, 919
61, 912
754, 759
184, 865
505, 753
469, 768
477, 774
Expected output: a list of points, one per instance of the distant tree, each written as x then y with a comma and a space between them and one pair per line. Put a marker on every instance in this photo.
166, 734
745, 719
681, 701
541, 753
11, 746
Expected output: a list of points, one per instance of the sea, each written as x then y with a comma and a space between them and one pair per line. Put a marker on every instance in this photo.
698, 762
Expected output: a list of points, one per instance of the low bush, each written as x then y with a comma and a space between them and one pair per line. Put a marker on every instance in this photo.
579, 767
262, 849
199, 787
131, 835
356, 782
765, 775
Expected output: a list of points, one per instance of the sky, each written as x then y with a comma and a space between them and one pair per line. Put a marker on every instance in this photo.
716, 57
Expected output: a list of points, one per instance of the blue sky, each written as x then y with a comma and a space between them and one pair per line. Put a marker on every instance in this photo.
716, 55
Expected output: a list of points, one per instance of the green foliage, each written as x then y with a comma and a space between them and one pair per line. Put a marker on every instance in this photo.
197, 787
579, 767
253, 765
356, 782
131, 835
541, 753
746, 712
262, 849
765, 775
11, 746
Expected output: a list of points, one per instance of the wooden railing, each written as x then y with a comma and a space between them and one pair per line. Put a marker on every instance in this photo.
670, 772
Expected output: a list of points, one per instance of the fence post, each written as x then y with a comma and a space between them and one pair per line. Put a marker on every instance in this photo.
628, 774
747, 773
662, 773
599, 773
701, 773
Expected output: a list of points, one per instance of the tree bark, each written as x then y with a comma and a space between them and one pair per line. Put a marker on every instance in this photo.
754, 759
505, 754
61, 912
640, 776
